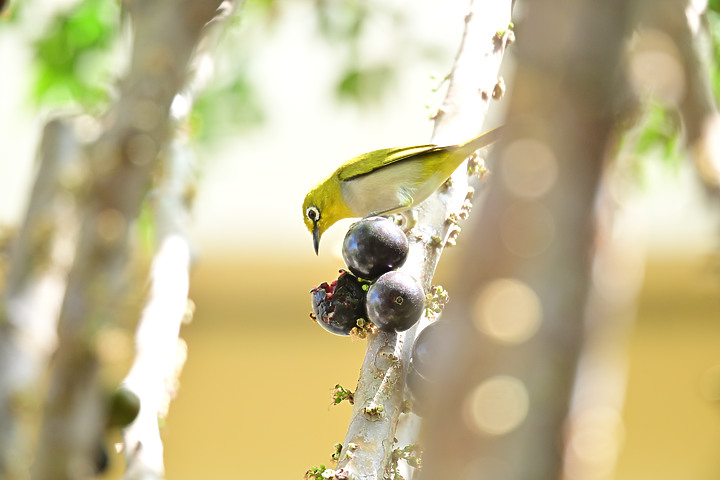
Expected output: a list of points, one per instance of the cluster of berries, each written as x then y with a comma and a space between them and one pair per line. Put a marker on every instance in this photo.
373, 289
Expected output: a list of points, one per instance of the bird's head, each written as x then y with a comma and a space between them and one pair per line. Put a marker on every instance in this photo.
323, 206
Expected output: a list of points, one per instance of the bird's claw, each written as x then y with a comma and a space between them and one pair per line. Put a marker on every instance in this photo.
407, 219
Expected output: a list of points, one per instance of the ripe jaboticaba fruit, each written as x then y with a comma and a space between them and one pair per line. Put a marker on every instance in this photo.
429, 366
395, 302
431, 345
374, 246
338, 306
418, 387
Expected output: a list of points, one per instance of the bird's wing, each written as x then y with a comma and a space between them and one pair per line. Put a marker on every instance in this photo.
373, 161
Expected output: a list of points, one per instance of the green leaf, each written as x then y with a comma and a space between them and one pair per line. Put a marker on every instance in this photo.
72, 58
656, 135
713, 18
341, 20
365, 84
224, 109
146, 229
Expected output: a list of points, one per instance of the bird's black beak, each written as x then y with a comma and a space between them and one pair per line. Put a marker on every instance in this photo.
316, 237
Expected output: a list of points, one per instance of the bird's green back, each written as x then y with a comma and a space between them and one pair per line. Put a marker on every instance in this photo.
369, 162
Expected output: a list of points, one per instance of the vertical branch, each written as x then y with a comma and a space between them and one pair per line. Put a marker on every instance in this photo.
599, 392
122, 162
39, 261
685, 22
159, 353
505, 397
680, 76
380, 390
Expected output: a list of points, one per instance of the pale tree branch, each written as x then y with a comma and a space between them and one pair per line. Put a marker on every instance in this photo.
500, 407
678, 31
380, 391
160, 354
122, 162
698, 107
598, 397
33, 292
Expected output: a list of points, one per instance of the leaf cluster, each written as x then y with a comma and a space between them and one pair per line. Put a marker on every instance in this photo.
713, 19
412, 454
345, 23
659, 132
72, 59
340, 394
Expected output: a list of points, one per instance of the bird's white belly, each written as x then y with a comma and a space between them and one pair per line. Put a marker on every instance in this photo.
392, 188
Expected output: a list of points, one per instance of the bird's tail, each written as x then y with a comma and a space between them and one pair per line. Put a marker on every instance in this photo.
482, 140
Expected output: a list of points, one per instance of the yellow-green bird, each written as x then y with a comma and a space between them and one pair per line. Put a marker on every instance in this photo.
385, 181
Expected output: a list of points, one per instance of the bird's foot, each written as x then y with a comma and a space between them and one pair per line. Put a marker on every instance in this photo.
406, 219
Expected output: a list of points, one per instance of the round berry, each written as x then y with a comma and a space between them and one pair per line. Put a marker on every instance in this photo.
431, 344
124, 407
395, 302
338, 306
417, 387
373, 246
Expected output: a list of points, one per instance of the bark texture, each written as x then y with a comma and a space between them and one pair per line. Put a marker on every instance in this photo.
504, 400
380, 391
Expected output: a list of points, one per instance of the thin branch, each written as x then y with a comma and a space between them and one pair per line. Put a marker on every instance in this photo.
122, 161
679, 32
698, 106
160, 354
380, 391
39, 262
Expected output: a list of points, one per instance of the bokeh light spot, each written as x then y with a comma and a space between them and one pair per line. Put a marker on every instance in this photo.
594, 443
529, 168
655, 66
508, 311
110, 225
141, 149
497, 406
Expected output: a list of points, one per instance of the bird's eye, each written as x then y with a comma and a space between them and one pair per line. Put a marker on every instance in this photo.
313, 214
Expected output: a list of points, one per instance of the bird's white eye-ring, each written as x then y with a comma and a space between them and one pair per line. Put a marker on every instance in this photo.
313, 214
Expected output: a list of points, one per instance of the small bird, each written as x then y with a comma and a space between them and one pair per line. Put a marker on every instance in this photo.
385, 181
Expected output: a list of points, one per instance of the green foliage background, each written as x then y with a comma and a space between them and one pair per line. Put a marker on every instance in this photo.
76, 58
76, 65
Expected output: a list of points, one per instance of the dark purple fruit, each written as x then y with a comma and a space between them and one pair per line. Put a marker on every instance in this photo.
373, 246
432, 344
395, 302
418, 388
337, 306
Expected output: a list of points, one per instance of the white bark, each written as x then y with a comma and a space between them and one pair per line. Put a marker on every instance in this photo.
380, 391
122, 163
159, 354
40, 258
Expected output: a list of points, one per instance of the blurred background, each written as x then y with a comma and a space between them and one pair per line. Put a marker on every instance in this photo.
297, 87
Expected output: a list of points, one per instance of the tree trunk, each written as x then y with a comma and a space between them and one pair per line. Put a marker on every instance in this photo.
520, 297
